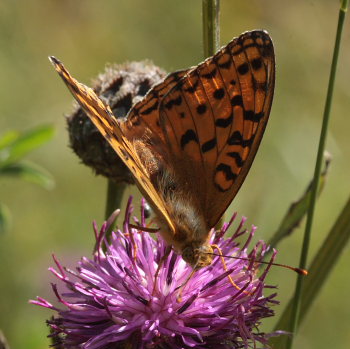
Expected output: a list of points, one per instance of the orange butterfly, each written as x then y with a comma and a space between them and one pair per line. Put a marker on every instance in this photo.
190, 142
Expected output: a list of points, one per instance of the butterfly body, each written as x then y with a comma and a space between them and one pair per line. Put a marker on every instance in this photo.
189, 234
190, 142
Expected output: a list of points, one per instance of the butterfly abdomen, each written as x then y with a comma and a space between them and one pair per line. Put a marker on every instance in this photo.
182, 208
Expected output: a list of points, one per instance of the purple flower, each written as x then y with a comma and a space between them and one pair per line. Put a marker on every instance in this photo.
111, 302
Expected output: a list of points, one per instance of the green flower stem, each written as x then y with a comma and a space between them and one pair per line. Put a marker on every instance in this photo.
307, 235
211, 27
114, 196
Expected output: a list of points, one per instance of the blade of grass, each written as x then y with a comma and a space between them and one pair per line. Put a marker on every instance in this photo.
294, 321
321, 267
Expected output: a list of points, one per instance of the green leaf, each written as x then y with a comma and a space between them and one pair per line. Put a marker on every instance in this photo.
8, 138
25, 143
29, 172
298, 209
5, 218
322, 265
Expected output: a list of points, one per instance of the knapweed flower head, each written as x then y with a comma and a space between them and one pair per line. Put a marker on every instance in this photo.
114, 300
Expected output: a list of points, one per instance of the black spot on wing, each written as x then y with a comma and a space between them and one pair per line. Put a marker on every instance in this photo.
219, 93
201, 108
192, 88
150, 109
243, 68
235, 139
256, 63
210, 75
237, 101
188, 137
209, 145
252, 116
224, 122
226, 169
229, 175
176, 101
237, 157
225, 65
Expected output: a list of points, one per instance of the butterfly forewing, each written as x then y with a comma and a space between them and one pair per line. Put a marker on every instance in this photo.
214, 119
103, 118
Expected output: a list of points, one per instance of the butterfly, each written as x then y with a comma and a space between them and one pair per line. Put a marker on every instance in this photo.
190, 142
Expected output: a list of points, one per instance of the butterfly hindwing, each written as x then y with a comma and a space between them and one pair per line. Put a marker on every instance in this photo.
214, 119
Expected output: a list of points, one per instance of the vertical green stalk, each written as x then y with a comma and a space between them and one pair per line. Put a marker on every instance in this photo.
114, 196
211, 27
307, 235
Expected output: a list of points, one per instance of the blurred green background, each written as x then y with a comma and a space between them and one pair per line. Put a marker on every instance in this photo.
85, 35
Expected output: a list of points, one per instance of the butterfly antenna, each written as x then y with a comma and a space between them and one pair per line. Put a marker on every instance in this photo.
225, 267
297, 270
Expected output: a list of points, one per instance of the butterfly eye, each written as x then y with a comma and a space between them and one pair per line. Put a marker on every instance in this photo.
147, 210
188, 255
204, 256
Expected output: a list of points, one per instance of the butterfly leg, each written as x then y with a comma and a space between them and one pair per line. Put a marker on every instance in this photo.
225, 267
139, 229
133, 242
181, 288
161, 262
146, 229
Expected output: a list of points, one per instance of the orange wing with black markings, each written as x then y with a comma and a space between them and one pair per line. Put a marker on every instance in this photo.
145, 114
215, 117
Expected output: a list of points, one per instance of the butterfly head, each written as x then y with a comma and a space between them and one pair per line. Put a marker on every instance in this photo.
198, 256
